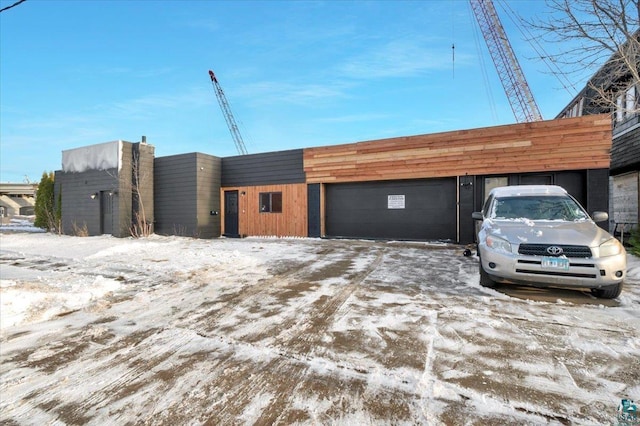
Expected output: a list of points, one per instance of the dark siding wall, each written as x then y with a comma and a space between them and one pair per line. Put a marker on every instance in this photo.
175, 196
575, 182
625, 151
187, 189
79, 210
209, 175
598, 193
263, 169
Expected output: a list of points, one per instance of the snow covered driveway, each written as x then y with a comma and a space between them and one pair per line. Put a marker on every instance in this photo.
170, 330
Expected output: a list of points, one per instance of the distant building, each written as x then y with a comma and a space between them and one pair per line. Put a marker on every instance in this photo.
625, 150
17, 199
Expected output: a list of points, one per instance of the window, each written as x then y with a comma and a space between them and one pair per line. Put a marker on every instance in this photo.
627, 104
575, 110
631, 101
271, 202
538, 208
494, 182
619, 109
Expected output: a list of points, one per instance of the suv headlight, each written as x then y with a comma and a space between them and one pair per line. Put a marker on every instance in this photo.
610, 247
498, 244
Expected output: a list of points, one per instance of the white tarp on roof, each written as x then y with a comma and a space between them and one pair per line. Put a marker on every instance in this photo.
101, 156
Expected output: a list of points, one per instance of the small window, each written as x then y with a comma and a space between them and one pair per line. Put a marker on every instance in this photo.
619, 108
271, 202
494, 182
631, 101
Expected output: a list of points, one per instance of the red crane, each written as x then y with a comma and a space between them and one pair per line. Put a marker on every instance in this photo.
515, 85
228, 116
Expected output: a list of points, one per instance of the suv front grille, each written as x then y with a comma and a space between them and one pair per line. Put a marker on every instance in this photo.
567, 250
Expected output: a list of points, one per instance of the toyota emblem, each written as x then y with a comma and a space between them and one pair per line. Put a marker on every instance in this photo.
554, 250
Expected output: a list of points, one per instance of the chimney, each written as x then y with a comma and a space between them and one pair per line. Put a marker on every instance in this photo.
144, 139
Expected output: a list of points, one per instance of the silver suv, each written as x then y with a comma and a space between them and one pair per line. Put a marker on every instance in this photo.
539, 235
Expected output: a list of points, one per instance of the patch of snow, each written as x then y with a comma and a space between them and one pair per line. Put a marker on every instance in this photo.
459, 327
20, 224
103, 156
633, 267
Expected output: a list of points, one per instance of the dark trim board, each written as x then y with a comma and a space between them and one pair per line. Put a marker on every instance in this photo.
420, 209
314, 224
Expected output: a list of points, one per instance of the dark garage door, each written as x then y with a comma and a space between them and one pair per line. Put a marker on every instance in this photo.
413, 209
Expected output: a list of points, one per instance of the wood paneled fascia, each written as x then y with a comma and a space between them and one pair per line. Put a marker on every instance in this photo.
554, 145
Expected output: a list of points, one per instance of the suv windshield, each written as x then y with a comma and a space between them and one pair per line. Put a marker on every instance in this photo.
538, 207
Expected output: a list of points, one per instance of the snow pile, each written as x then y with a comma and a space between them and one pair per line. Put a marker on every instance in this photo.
103, 156
40, 301
70, 273
20, 224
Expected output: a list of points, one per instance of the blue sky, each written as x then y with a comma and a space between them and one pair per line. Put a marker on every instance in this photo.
296, 74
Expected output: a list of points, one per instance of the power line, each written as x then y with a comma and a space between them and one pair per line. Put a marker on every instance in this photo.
13, 5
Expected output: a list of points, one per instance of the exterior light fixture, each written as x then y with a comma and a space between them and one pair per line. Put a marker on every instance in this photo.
94, 195
466, 181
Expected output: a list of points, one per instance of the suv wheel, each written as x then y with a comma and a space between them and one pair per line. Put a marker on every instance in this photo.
610, 292
485, 279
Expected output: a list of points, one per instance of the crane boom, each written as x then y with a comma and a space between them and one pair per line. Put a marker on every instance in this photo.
228, 116
513, 81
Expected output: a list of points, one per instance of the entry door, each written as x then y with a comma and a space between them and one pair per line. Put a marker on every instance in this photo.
231, 214
106, 212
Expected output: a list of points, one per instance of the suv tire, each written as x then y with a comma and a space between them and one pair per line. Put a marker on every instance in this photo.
610, 292
485, 279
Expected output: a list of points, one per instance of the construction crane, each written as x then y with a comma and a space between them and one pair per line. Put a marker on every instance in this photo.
515, 85
228, 116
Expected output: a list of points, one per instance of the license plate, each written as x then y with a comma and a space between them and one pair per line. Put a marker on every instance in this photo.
555, 263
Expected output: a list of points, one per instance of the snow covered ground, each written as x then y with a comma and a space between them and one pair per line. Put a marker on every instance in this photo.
173, 330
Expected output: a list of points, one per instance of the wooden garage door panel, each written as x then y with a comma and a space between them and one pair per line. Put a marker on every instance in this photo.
361, 210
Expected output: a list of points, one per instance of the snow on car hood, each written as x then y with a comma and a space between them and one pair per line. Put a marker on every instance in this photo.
519, 231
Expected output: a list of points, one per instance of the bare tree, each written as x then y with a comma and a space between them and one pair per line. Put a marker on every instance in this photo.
591, 34
135, 191
141, 226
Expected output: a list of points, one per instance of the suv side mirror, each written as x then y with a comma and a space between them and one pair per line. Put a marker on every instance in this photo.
600, 216
477, 216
